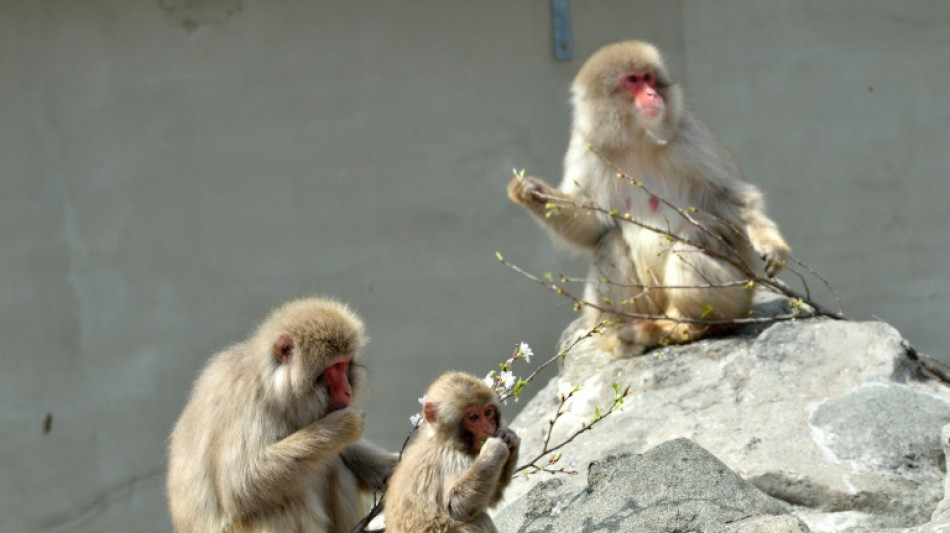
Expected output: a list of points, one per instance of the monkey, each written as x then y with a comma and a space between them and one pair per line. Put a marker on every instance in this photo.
673, 241
269, 439
458, 467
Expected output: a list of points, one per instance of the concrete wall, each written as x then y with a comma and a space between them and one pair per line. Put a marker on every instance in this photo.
174, 169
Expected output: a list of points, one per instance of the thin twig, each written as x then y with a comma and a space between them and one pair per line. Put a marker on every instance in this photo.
618, 399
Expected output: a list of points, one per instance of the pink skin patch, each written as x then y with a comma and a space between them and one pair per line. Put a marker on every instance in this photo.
654, 203
642, 85
338, 383
481, 422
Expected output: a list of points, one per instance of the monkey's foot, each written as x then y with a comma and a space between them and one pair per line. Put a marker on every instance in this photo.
650, 333
618, 345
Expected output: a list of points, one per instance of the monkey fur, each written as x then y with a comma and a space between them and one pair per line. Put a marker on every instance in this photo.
442, 484
630, 123
265, 443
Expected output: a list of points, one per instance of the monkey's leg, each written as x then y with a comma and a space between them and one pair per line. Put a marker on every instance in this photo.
697, 286
617, 284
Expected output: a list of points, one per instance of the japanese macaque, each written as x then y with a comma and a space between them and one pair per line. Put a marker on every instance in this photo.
674, 227
269, 440
458, 467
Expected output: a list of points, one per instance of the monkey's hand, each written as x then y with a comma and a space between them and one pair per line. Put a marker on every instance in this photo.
495, 449
775, 254
342, 427
767, 241
509, 437
530, 192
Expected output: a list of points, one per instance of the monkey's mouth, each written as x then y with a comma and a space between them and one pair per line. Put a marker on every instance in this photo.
651, 111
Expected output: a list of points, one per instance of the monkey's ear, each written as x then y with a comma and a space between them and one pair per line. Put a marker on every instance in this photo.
428, 410
284, 348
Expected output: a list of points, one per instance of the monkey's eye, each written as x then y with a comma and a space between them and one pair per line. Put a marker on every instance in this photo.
490, 413
632, 78
473, 417
648, 78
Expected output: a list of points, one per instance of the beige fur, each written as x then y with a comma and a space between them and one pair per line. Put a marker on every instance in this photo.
679, 160
442, 485
256, 449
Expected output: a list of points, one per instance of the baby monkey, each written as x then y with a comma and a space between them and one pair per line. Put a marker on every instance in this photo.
458, 467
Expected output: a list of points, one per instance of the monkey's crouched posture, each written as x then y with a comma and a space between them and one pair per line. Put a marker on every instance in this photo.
458, 467
659, 204
268, 440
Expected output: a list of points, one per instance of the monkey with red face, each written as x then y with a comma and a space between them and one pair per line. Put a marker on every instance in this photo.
670, 270
458, 467
269, 440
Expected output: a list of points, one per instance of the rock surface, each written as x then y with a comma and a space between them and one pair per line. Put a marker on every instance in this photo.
677, 484
832, 418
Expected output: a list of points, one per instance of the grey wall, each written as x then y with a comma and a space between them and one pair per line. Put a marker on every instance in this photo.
170, 173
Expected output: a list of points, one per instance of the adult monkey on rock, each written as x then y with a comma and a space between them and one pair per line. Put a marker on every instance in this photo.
269, 440
673, 268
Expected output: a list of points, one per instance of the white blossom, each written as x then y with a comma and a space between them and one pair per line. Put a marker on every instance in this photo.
526, 351
415, 420
490, 380
507, 379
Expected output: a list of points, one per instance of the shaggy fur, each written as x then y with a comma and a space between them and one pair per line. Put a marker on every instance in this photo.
257, 447
441, 485
677, 159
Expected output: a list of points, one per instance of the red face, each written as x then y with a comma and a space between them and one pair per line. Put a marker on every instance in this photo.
481, 422
338, 383
642, 86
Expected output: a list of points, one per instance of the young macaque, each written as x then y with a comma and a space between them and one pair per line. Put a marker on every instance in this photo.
269, 440
458, 467
637, 153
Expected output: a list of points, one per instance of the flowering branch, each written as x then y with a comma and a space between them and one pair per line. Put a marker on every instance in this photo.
532, 465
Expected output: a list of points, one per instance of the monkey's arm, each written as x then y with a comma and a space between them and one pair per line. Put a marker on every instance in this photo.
370, 464
513, 442
471, 493
558, 211
762, 231
280, 469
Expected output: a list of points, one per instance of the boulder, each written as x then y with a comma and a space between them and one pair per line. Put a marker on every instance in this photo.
833, 418
677, 486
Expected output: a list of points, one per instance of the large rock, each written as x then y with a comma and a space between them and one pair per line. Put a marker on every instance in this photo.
677, 486
832, 417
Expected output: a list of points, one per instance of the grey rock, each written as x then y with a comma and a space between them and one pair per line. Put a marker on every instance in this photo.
767, 524
832, 417
677, 486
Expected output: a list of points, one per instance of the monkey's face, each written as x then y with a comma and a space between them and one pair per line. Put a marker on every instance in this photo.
316, 376
642, 87
481, 422
336, 379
